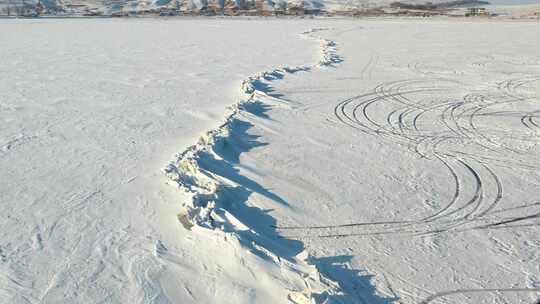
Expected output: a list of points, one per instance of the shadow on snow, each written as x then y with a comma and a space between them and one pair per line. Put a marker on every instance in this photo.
224, 161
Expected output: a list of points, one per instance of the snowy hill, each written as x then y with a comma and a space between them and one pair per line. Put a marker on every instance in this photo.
166, 7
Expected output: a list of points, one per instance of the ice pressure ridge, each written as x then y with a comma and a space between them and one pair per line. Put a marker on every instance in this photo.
206, 210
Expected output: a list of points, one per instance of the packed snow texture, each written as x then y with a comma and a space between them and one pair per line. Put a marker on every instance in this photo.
373, 161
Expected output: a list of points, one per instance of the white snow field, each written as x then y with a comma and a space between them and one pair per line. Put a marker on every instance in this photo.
411, 170
341, 161
90, 112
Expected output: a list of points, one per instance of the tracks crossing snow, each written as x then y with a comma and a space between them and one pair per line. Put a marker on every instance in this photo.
446, 131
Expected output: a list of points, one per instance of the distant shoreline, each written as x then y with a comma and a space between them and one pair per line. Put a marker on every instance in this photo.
252, 8
241, 17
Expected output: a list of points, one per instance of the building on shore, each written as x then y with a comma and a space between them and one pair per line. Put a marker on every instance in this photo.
476, 11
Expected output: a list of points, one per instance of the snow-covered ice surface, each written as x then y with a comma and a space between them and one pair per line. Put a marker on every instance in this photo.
410, 171
358, 162
91, 111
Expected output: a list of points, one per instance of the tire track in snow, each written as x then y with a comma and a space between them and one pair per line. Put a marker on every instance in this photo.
405, 109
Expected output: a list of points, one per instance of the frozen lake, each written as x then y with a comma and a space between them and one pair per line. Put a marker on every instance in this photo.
376, 161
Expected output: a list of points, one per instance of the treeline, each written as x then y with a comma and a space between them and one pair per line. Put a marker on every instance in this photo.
437, 6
